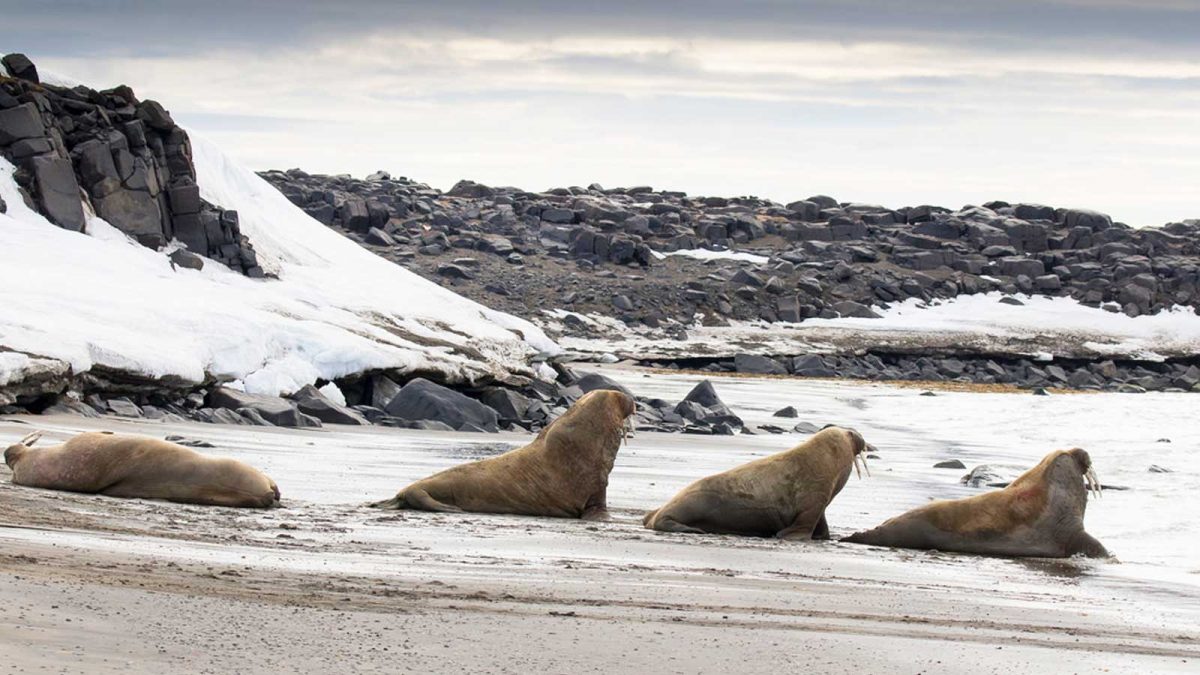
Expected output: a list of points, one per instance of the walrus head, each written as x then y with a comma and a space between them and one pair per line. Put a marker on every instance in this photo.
860, 448
1076, 462
600, 414
14, 452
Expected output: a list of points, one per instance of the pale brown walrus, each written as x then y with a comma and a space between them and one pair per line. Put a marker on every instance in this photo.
563, 473
101, 462
784, 495
1040, 514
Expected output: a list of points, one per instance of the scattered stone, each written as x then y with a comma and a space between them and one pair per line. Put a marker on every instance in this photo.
950, 464
789, 411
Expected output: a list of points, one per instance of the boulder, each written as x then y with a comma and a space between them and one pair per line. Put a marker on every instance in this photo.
788, 412
19, 66
20, 122
705, 395
382, 391
155, 116
986, 475
377, 237
848, 308
950, 464
811, 365
123, 407
511, 406
135, 213
278, 411
58, 192
593, 381
758, 365
311, 401
1012, 267
454, 271
186, 260
558, 216
421, 399
1033, 212
1092, 220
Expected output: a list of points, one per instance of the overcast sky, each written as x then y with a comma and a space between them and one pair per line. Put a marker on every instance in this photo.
1092, 103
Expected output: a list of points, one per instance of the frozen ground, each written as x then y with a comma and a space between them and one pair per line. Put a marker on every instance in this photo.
325, 585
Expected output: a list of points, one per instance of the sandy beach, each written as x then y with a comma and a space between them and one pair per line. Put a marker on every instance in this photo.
325, 584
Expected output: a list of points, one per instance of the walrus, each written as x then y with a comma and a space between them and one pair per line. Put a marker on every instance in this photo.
784, 495
563, 473
105, 463
1040, 514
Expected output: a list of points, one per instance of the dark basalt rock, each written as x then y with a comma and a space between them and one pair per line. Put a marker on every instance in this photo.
312, 402
421, 399
273, 409
127, 159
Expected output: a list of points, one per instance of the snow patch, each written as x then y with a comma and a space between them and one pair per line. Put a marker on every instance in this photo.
705, 254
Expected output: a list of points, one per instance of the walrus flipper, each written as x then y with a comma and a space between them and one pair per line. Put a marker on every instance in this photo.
1087, 545
809, 520
821, 531
597, 507
669, 524
418, 499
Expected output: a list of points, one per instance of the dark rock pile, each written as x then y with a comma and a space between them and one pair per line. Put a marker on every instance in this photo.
124, 159
589, 250
380, 399
1180, 375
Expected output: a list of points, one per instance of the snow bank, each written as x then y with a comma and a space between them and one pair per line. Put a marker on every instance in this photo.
1174, 330
336, 309
1042, 327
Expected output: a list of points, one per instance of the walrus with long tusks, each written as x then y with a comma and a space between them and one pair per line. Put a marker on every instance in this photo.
563, 473
1040, 514
784, 495
138, 467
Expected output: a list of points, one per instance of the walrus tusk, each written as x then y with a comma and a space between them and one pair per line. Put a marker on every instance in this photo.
1093, 481
626, 430
856, 471
866, 468
29, 440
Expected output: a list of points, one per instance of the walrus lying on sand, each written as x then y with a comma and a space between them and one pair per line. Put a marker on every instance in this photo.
132, 466
563, 473
1040, 514
784, 495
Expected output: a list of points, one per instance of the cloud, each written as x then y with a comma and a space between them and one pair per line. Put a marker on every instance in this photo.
1074, 102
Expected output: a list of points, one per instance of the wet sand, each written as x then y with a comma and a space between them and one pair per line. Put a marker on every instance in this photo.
327, 585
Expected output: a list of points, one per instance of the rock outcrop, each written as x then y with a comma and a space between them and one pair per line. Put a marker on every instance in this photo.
599, 251
124, 159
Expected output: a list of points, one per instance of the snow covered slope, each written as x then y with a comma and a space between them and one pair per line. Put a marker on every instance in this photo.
336, 309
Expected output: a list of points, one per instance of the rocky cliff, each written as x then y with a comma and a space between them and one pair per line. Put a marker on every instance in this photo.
123, 159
